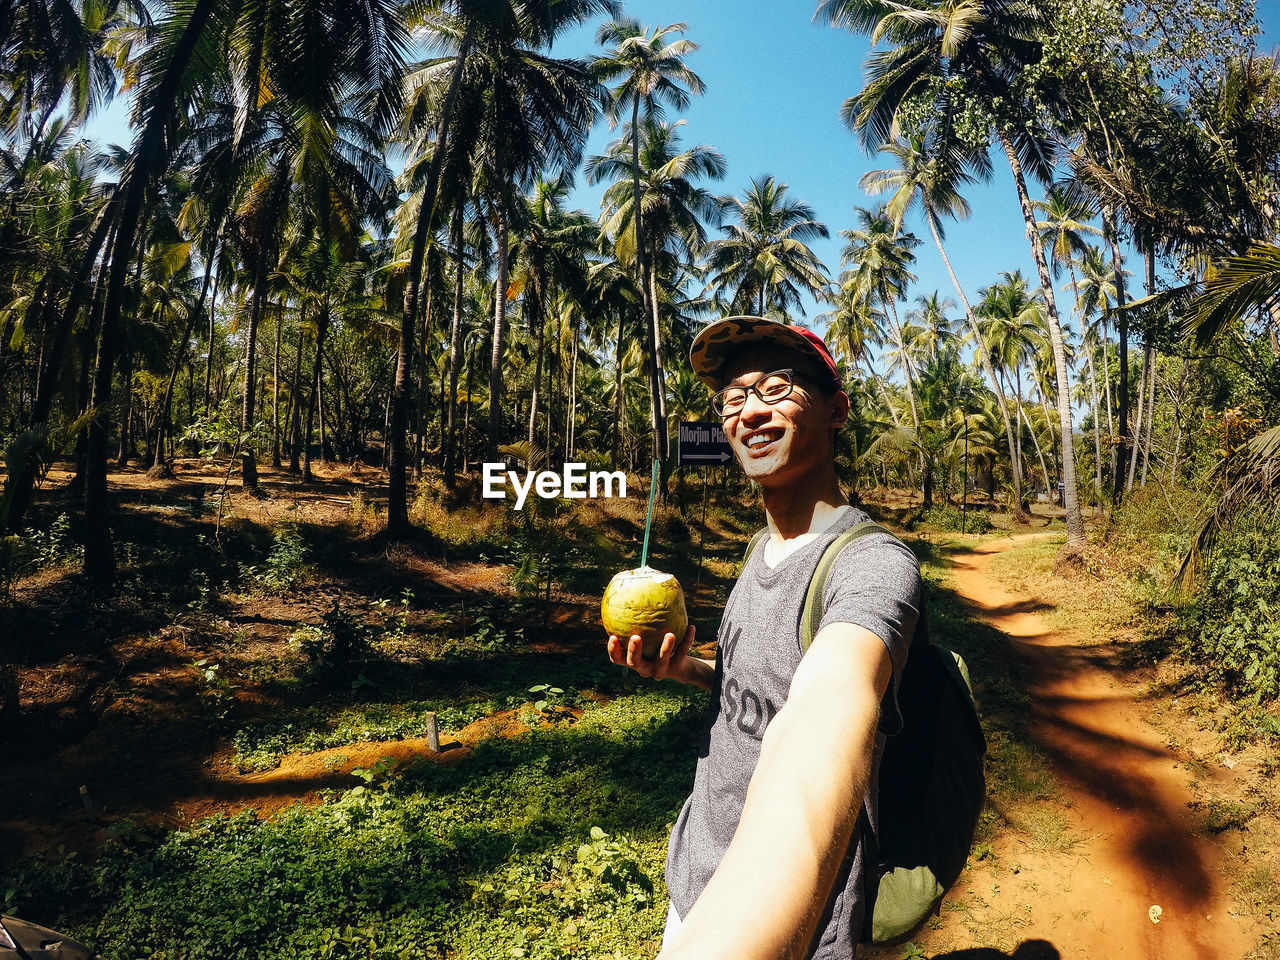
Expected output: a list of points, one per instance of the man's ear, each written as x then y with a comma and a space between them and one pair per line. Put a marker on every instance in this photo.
840, 410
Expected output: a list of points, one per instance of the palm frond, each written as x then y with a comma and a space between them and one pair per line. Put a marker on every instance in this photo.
1256, 471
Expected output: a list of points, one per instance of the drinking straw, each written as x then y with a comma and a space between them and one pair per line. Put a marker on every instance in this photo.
648, 517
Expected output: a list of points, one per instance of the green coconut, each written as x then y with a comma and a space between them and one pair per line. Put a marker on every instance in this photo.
646, 602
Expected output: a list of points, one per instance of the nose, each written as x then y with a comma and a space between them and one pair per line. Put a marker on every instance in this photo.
754, 408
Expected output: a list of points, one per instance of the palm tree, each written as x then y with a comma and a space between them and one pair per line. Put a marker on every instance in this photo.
273, 55
853, 327
1066, 211
526, 112
440, 105
652, 73
550, 257
764, 259
615, 291
327, 285
674, 207
948, 56
879, 258
66, 224
1089, 293
932, 177
929, 316
1011, 321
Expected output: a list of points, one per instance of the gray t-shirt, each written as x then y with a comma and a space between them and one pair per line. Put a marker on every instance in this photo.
875, 583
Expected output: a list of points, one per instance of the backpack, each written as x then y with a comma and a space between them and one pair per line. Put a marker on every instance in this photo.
931, 787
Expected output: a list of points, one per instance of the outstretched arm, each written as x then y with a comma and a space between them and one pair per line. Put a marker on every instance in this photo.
766, 897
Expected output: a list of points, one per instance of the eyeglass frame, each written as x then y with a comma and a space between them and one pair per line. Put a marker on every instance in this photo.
790, 373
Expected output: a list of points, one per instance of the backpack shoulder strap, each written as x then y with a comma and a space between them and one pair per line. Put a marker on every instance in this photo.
814, 604
754, 542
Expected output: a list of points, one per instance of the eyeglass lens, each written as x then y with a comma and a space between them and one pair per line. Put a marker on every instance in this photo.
771, 388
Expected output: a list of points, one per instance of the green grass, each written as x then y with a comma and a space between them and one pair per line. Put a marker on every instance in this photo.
461, 687
547, 842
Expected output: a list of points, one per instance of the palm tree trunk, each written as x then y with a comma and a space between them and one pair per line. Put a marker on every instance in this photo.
1151, 418
295, 406
1136, 448
455, 354
88, 340
1177, 416
275, 395
444, 386
554, 370
125, 449
1071, 490
984, 354
1097, 426
1016, 413
499, 333
1048, 424
648, 309
906, 365
400, 400
1035, 442
533, 306
659, 376
159, 468
466, 413
1148, 368
1122, 340
249, 456
1106, 383
570, 433
616, 425
1092, 383
322, 330
208, 363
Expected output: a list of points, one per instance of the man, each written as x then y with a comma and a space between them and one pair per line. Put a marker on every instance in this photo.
766, 858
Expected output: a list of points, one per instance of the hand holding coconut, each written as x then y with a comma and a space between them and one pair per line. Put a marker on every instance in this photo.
643, 611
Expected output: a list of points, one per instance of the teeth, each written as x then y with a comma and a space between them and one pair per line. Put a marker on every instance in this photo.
760, 439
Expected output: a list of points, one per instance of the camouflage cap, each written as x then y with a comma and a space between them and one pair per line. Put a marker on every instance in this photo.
717, 342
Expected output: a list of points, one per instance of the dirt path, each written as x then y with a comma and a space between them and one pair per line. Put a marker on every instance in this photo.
1142, 883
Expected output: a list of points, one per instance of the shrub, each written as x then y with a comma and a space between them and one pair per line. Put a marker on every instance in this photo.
1233, 624
285, 558
13, 558
341, 641
944, 516
54, 546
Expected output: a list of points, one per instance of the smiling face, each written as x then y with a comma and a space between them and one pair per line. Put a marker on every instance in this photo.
789, 442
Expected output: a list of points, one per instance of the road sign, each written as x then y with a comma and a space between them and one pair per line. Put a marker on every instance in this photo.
703, 442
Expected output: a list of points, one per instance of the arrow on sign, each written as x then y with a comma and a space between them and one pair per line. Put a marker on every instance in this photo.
720, 457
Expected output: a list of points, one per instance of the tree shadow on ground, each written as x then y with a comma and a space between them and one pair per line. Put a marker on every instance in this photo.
1029, 691
1027, 950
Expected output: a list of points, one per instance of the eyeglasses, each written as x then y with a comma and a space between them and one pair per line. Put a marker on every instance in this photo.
771, 388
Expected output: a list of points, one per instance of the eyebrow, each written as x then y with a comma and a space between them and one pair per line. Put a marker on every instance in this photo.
738, 381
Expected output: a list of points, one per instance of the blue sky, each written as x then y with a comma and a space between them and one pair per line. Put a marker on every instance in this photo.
775, 82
